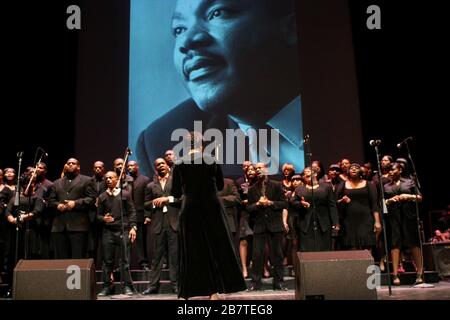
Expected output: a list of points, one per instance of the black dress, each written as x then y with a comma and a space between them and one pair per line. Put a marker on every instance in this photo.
208, 262
402, 215
358, 216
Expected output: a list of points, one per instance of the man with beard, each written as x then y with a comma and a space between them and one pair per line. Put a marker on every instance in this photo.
71, 197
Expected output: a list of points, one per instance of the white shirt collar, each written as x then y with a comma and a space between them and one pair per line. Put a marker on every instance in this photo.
114, 193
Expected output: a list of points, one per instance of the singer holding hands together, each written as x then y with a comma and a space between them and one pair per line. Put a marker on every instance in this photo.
400, 199
72, 196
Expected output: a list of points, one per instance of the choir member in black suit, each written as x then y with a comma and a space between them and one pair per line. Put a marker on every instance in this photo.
139, 184
162, 211
266, 201
71, 196
116, 211
95, 232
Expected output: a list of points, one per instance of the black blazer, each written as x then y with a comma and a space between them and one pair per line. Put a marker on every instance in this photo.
139, 185
267, 218
154, 190
230, 198
325, 205
83, 193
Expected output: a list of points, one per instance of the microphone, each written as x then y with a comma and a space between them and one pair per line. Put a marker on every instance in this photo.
399, 145
43, 152
374, 143
128, 151
20, 154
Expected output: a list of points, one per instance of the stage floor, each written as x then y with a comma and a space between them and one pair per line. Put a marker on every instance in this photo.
440, 291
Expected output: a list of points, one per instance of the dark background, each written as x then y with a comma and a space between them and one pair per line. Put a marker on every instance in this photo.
401, 72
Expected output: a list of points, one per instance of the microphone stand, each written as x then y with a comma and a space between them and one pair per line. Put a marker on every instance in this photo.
309, 155
416, 192
383, 218
27, 194
123, 240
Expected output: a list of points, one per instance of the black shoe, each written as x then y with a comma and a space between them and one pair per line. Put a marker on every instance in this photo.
128, 291
150, 290
279, 286
106, 291
175, 290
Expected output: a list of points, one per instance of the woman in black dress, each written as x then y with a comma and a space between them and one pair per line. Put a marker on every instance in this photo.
400, 194
27, 216
359, 210
208, 261
318, 214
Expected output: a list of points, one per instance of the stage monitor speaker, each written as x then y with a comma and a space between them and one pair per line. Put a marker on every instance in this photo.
334, 275
54, 280
437, 257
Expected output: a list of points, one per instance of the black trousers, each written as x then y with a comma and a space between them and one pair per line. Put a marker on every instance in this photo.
276, 256
141, 243
111, 242
70, 245
164, 243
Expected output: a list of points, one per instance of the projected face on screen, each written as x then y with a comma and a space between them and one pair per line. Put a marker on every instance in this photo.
236, 59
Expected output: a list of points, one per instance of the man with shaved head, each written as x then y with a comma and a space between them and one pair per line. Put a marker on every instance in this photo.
71, 196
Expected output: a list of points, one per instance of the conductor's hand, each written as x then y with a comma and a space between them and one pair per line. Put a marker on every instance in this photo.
132, 235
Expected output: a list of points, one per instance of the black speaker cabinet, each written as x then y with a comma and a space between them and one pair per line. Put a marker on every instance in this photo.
437, 257
334, 275
54, 280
